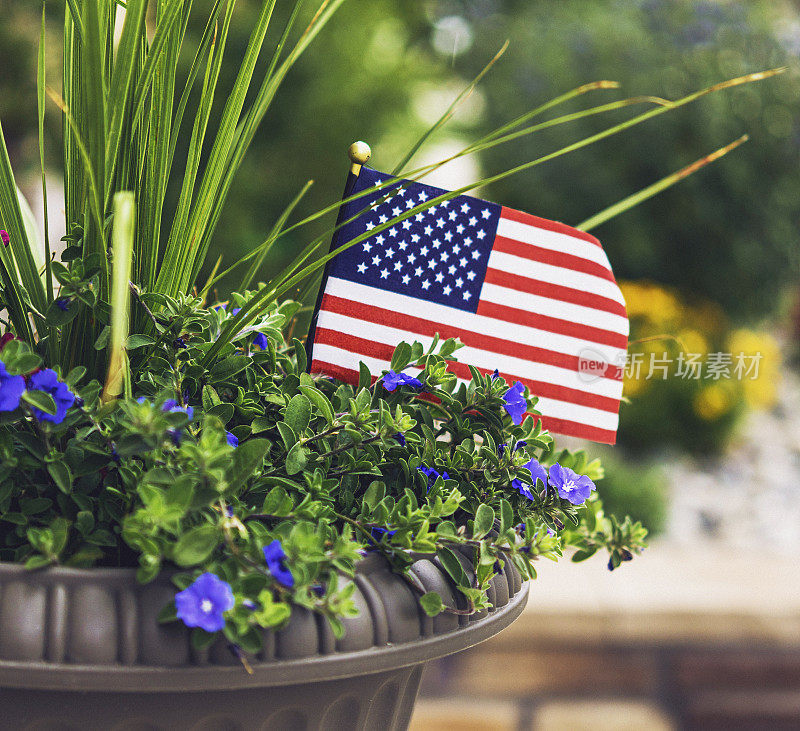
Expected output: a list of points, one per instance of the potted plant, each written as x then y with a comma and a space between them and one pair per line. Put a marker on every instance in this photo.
194, 531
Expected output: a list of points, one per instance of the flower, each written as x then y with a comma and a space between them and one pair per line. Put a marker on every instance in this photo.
204, 602
501, 448
392, 380
495, 375
400, 438
571, 486
261, 341
537, 473
378, 533
432, 474
515, 405
231, 439
275, 557
63, 303
6, 239
47, 380
171, 406
11, 389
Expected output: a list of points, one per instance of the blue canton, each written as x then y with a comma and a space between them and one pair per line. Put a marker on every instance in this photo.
440, 254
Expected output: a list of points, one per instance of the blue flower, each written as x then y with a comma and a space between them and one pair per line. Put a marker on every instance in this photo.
275, 557
204, 603
432, 474
400, 438
11, 389
235, 311
392, 380
537, 473
495, 375
261, 341
47, 380
515, 402
63, 303
571, 486
171, 406
231, 439
378, 533
249, 604
501, 448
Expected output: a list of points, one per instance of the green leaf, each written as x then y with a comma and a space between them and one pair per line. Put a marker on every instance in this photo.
40, 400
484, 521
196, 545
247, 457
432, 603
298, 414
138, 340
452, 565
38, 562
297, 459
320, 400
61, 475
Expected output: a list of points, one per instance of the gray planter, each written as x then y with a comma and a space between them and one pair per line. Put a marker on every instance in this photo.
81, 649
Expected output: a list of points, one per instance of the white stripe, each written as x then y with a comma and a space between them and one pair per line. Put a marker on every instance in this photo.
500, 295
524, 369
549, 407
555, 275
553, 240
555, 308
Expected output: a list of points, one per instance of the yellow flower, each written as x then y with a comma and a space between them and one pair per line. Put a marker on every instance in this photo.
713, 401
756, 364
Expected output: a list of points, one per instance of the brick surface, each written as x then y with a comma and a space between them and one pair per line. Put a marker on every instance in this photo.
460, 714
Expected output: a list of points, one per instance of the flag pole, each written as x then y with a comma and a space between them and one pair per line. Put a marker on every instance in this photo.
359, 152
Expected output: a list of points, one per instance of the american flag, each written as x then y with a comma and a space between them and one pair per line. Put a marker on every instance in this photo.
533, 298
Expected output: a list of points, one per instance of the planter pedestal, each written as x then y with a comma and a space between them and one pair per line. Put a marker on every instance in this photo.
81, 649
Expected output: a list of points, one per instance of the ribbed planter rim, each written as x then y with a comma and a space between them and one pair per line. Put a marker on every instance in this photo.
374, 581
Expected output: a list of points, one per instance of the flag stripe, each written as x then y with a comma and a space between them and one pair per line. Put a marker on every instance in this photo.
552, 406
507, 338
543, 223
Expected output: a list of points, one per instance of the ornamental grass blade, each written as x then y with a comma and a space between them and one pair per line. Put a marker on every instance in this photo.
41, 96
652, 190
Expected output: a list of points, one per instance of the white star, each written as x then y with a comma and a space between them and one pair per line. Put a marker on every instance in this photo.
476, 254
445, 256
424, 251
428, 230
362, 268
432, 264
486, 213
446, 291
448, 236
398, 265
423, 196
401, 191
467, 241
414, 238
403, 245
378, 182
463, 261
426, 284
396, 211
376, 260
390, 253
459, 282
467, 295
406, 279
406, 224
473, 221
412, 257
452, 215
481, 234
418, 271
464, 208
384, 273
367, 246
410, 203
470, 275
370, 226
382, 219
379, 239
440, 222
444, 204
432, 209
439, 277
419, 216
456, 248
459, 229
392, 232
436, 243
452, 269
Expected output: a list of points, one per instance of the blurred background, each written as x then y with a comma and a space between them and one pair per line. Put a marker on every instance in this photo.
703, 630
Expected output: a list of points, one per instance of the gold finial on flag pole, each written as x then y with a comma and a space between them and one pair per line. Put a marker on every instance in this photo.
359, 153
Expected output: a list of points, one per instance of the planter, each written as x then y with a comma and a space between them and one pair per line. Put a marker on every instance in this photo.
81, 649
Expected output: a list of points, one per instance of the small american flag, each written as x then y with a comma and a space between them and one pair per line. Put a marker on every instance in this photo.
535, 299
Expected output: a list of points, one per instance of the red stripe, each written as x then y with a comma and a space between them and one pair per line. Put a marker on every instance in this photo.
381, 351
553, 258
554, 291
420, 326
557, 426
552, 324
561, 228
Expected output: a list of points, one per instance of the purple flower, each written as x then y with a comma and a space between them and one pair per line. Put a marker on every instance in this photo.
171, 406
204, 602
11, 389
261, 341
231, 439
63, 303
537, 473
571, 486
4, 237
501, 448
235, 311
275, 557
495, 375
392, 380
179, 344
515, 402
400, 438
432, 474
47, 380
